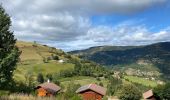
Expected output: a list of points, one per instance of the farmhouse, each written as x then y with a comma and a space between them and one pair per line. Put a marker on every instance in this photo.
91, 92
47, 89
149, 95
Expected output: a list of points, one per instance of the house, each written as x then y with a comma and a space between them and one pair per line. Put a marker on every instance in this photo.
61, 61
47, 89
91, 92
149, 95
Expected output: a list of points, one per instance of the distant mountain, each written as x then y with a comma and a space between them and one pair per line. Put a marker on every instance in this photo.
156, 54
93, 50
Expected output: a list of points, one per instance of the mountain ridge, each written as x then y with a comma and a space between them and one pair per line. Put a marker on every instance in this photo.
158, 54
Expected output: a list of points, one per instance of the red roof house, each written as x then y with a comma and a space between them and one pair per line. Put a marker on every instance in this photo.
149, 95
47, 89
92, 92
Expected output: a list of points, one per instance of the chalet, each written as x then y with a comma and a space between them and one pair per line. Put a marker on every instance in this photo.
149, 95
92, 92
47, 89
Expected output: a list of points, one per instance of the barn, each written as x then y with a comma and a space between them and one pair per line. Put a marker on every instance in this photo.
149, 95
47, 89
91, 92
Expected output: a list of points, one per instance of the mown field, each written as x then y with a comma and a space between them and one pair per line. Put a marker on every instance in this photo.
141, 81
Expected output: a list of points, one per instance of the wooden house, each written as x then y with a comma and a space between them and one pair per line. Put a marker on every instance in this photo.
149, 95
47, 89
91, 92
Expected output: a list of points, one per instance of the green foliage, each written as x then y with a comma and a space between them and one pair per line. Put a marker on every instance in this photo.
101, 84
113, 86
45, 60
29, 79
141, 81
54, 57
2, 93
66, 73
156, 54
40, 78
98, 79
9, 53
49, 76
76, 97
163, 91
34, 44
129, 92
105, 98
71, 92
57, 82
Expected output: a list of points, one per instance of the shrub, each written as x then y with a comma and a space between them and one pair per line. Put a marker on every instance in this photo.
40, 78
163, 91
129, 92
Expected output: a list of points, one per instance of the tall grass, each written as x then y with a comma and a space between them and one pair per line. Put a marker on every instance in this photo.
25, 97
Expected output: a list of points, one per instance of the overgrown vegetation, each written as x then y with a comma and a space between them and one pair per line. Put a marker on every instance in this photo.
162, 92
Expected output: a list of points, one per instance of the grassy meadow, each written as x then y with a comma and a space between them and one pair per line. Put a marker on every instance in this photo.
83, 80
141, 81
31, 61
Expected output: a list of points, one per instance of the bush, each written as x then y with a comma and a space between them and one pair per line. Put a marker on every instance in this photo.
101, 84
129, 92
45, 60
98, 79
49, 77
71, 92
113, 86
40, 78
54, 57
163, 92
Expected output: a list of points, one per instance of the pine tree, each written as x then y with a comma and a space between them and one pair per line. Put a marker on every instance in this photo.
9, 53
40, 78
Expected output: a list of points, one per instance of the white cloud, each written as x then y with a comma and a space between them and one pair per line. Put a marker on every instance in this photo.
66, 23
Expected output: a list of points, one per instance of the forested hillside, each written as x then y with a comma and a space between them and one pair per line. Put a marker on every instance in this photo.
157, 55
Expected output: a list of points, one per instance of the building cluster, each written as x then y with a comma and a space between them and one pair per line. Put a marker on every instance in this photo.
88, 92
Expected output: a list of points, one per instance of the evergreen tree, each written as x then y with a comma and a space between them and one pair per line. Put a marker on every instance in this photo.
9, 53
40, 78
49, 76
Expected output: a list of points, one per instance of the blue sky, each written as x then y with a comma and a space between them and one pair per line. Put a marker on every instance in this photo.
79, 24
156, 16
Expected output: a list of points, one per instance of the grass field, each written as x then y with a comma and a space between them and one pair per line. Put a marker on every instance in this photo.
31, 61
141, 81
83, 80
44, 68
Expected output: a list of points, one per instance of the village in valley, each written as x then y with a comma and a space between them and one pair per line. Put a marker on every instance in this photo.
84, 50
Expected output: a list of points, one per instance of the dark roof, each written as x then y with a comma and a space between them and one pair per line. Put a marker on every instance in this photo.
50, 87
148, 94
93, 87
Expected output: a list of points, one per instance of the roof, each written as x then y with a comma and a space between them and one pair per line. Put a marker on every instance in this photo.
93, 87
50, 87
148, 94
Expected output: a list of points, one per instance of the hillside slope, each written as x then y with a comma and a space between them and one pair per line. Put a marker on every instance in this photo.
157, 55
36, 58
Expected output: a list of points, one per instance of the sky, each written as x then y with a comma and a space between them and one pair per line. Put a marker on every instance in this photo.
80, 24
